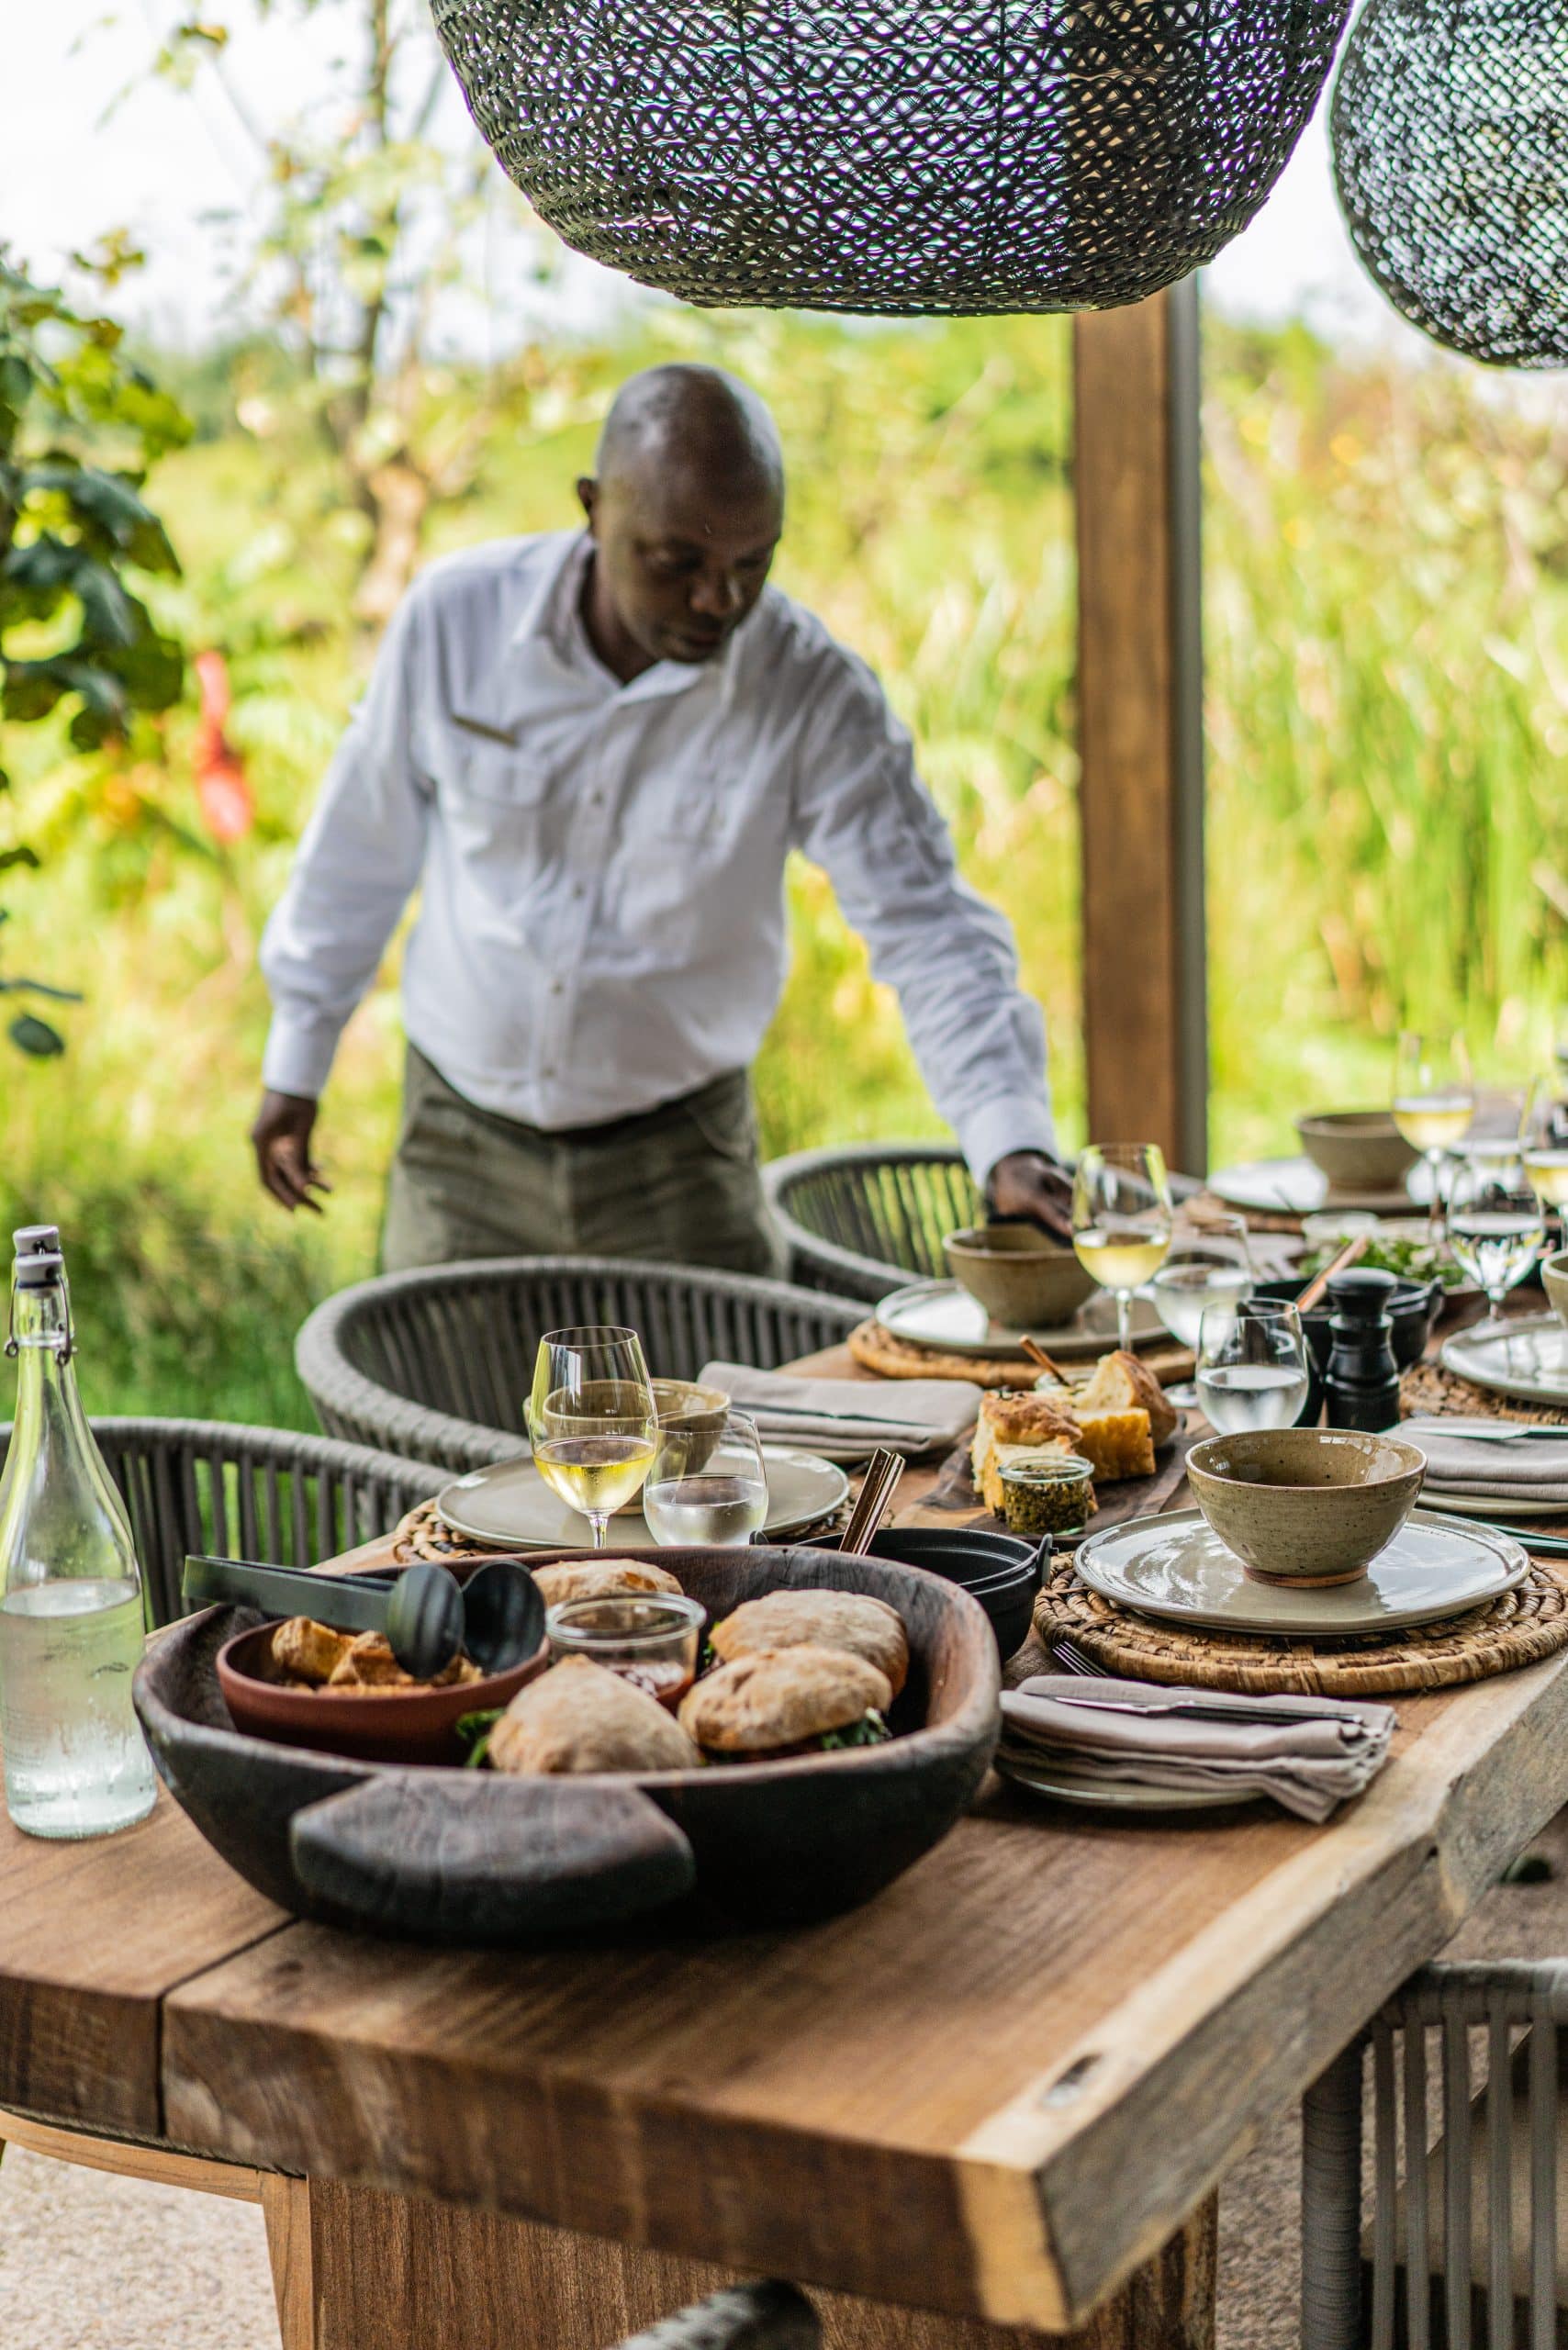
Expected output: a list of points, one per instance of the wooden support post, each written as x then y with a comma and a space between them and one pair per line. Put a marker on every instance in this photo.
1140, 723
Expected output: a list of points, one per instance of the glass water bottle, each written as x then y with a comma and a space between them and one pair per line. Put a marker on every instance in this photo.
71, 1603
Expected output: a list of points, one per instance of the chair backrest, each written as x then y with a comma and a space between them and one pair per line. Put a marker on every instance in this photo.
437, 1363
1463, 2243
772, 2316
865, 1218
273, 1495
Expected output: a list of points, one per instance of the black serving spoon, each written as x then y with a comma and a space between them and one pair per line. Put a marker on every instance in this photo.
496, 1614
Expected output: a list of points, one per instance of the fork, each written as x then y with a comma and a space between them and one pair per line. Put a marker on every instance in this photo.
1075, 1661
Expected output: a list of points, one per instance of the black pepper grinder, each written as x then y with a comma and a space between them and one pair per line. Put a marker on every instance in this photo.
1361, 1386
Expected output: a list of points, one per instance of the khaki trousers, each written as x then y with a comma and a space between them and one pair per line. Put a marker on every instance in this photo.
678, 1185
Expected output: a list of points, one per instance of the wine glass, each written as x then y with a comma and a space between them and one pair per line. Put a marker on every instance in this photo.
1252, 1366
1496, 1226
1121, 1220
1210, 1264
1434, 1099
592, 1420
1544, 1141
704, 1488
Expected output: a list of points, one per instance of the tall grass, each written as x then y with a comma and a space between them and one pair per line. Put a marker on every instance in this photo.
1387, 635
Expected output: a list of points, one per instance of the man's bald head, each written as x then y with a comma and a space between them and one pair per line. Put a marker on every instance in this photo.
670, 419
685, 512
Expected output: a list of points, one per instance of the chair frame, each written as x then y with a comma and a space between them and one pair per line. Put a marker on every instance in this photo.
858, 1271
684, 1315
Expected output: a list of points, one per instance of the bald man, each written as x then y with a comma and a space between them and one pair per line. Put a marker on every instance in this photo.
592, 752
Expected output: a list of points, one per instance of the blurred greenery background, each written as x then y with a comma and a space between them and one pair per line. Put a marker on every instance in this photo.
1387, 645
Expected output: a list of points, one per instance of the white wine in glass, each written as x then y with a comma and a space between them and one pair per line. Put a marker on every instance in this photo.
1121, 1220
1543, 1140
592, 1420
1434, 1099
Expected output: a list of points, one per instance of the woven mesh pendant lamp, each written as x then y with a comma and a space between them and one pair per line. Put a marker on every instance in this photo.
894, 156
1450, 131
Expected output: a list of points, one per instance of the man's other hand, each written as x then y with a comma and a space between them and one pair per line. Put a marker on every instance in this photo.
281, 1139
1028, 1185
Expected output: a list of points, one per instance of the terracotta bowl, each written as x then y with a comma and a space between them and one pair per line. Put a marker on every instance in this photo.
1359, 1150
1554, 1278
1025, 1279
1306, 1506
402, 1726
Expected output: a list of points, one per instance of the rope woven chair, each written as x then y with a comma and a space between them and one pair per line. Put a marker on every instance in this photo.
437, 1363
894, 156
863, 1218
273, 1495
742, 2316
1402, 2282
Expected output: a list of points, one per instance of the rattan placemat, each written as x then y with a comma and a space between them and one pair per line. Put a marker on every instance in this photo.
1430, 1389
1519, 1628
875, 1347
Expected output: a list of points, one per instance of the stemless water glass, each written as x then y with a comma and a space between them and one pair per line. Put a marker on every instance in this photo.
1209, 1265
1252, 1366
592, 1420
1434, 1099
705, 1488
1496, 1226
1121, 1220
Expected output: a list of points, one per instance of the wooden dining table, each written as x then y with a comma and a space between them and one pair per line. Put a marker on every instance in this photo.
990, 2106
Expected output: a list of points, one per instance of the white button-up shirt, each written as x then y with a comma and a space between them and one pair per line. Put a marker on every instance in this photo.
602, 925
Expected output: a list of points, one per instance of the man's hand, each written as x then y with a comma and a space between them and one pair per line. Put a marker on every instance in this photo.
1028, 1185
281, 1139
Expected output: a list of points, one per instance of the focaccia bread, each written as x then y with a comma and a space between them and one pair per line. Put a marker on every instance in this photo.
308, 1652
848, 1620
600, 1579
1011, 1428
367, 1664
1121, 1383
779, 1698
577, 1716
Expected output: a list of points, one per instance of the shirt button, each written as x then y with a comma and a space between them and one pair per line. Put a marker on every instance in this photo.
580, 891
547, 1072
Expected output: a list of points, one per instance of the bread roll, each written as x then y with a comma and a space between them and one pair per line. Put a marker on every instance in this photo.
849, 1620
600, 1579
577, 1716
780, 1697
308, 1652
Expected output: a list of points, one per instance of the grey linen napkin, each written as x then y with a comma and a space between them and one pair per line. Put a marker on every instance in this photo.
1329, 1749
1537, 1466
848, 1417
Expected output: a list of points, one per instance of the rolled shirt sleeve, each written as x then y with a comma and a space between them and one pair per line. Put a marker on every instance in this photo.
864, 815
358, 861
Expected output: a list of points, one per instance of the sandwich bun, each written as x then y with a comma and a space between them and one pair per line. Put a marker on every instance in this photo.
600, 1579
577, 1716
844, 1620
776, 1698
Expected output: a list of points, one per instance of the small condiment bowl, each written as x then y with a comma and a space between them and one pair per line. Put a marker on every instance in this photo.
1023, 1279
651, 1638
1307, 1507
1554, 1279
1359, 1150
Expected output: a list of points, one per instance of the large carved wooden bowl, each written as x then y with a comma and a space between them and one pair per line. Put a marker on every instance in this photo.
478, 1858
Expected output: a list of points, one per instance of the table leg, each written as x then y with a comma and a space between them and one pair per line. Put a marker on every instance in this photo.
359, 2269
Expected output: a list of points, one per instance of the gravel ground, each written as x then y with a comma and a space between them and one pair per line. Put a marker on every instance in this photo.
88, 2262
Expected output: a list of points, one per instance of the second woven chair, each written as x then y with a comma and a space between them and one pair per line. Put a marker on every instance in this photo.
436, 1364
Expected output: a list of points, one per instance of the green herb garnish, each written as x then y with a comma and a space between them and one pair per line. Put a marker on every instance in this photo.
475, 1729
1411, 1260
869, 1730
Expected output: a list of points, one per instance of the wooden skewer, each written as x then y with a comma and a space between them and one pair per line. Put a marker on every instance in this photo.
1043, 1361
1319, 1282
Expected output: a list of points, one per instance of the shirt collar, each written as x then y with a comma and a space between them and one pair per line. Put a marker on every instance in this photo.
550, 628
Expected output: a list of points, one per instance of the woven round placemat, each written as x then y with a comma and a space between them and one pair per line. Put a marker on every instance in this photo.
875, 1347
1429, 1389
1519, 1628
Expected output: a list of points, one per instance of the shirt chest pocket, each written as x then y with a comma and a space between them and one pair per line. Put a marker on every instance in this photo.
673, 845
494, 798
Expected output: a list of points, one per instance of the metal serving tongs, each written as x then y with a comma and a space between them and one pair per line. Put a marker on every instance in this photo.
496, 1616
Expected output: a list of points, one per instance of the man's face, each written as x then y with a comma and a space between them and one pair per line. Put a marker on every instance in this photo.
681, 562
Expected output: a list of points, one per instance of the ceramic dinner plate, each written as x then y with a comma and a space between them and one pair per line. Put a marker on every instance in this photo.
942, 1314
1516, 1504
1174, 1567
1528, 1357
1298, 1187
511, 1505
1061, 1781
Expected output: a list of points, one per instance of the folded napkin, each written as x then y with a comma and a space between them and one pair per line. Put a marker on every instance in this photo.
847, 1418
1538, 1466
1328, 1750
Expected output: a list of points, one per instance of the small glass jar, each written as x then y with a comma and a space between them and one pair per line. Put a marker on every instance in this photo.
1052, 1495
650, 1638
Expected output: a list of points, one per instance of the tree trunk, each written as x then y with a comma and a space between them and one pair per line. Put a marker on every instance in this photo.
398, 501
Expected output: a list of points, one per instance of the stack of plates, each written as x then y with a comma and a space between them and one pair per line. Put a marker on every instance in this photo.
944, 1317
1526, 1359
512, 1508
